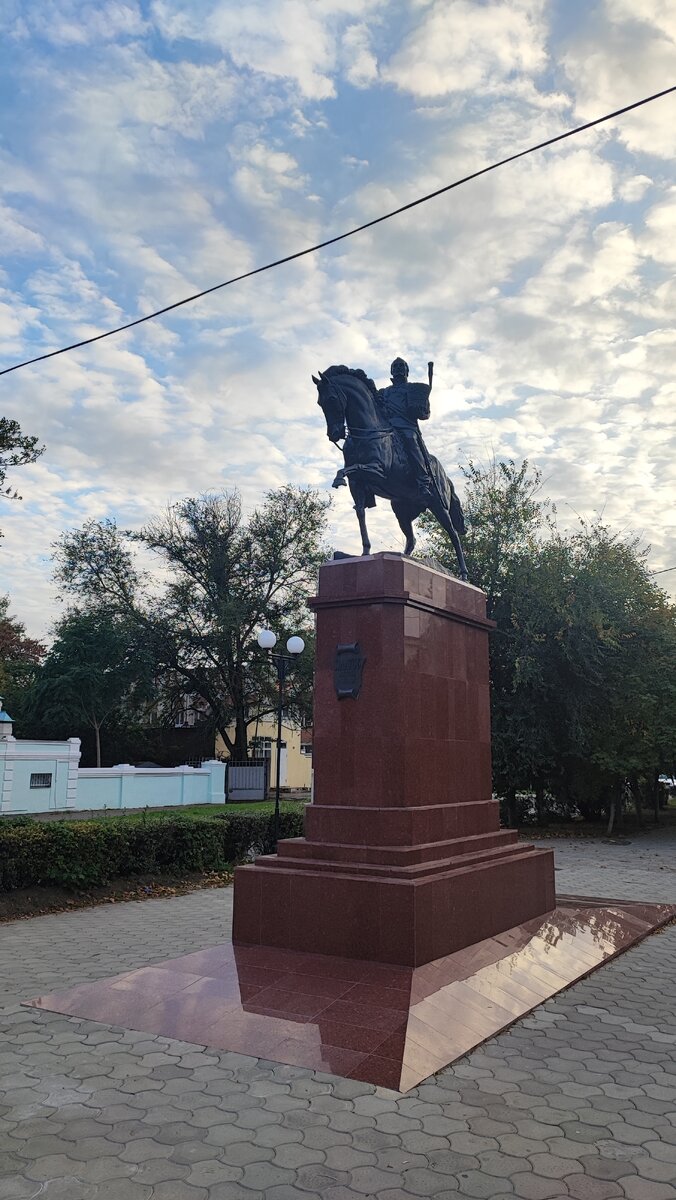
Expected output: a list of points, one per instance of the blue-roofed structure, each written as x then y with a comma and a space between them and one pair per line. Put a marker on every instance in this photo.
6, 723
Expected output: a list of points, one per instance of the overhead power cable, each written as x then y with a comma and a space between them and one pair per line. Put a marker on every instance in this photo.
278, 262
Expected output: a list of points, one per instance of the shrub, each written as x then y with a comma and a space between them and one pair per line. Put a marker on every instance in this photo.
91, 853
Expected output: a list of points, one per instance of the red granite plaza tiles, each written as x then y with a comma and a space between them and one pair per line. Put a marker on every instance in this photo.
388, 1025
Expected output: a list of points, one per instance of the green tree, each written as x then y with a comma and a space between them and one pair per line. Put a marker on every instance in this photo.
506, 519
582, 660
16, 450
20, 658
625, 646
221, 578
96, 669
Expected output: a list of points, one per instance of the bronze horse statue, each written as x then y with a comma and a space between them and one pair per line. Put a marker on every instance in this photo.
376, 463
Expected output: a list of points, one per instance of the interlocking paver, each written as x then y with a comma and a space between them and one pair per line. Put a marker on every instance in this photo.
13, 1187
211, 1172
159, 1170
661, 1150
51, 1166
393, 1122
291, 1155
394, 1159
652, 1168
346, 1158
367, 1137
494, 1162
480, 1185
261, 1176
276, 1135
421, 1181
321, 1137
582, 1187
178, 1190
284, 1192
577, 1099
303, 1118
636, 1188
538, 1187
554, 1166
124, 1189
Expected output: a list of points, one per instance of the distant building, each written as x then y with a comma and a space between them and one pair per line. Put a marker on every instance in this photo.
296, 758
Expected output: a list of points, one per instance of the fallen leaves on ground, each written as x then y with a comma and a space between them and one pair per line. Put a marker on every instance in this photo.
34, 902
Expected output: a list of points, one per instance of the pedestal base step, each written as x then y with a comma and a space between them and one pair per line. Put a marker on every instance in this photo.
353, 911
344, 854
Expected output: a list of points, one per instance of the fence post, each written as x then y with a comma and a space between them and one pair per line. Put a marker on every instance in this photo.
125, 770
73, 764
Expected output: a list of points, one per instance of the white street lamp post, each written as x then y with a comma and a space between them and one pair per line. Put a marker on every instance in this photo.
295, 646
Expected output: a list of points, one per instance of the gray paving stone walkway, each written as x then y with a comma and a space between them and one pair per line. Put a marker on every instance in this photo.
579, 1099
638, 868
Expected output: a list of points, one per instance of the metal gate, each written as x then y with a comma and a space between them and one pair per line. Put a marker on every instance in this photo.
247, 780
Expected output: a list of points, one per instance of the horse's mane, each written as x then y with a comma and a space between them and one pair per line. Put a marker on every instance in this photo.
356, 371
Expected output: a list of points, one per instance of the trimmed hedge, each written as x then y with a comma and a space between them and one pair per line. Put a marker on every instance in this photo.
92, 853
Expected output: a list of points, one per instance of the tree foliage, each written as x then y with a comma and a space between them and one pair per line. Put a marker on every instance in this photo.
583, 660
20, 657
220, 578
96, 668
16, 450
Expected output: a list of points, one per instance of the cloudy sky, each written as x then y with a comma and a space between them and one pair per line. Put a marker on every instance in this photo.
149, 150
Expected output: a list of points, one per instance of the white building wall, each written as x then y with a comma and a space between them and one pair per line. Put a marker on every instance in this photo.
22, 761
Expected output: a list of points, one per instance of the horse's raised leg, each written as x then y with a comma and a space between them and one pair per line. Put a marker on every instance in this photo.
404, 515
443, 517
361, 517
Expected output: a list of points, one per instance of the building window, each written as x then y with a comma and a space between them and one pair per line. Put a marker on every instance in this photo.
262, 747
186, 717
41, 780
306, 751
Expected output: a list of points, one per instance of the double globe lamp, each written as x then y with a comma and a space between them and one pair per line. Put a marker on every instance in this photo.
267, 640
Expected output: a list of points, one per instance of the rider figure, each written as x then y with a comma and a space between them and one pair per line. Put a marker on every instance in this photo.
405, 404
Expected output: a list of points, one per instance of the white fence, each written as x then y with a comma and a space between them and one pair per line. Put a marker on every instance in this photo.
37, 777
150, 787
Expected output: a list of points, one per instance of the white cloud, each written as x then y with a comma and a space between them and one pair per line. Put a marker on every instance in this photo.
16, 237
291, 40
661, 14
361, 65
659, 239
264, 173
623, 52
133, 91
67, 23
468, 45
634, 189
144, 168
16, 319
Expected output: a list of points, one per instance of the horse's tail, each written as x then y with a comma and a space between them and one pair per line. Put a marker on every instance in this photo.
457, 515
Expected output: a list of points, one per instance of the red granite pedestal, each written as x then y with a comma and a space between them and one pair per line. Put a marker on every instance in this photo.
403, 859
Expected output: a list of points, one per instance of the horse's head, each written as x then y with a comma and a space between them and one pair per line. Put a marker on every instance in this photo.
332, 402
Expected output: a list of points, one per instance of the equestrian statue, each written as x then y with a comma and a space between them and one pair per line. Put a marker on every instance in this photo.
384, 452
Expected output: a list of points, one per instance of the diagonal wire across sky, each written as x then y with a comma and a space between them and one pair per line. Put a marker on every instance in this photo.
278, 262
